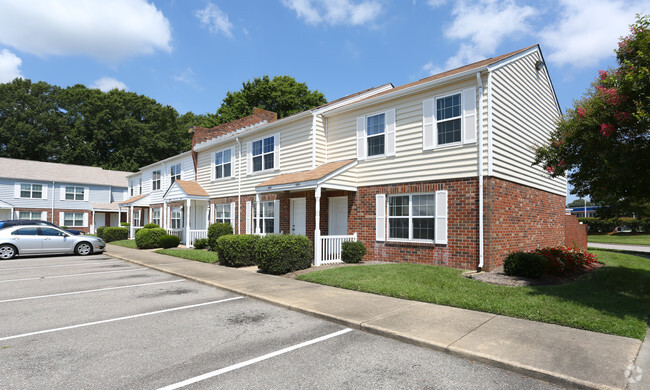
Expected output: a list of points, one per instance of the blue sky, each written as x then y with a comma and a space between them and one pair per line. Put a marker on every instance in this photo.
189, 53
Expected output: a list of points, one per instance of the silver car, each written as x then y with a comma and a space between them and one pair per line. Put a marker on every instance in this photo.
23, 240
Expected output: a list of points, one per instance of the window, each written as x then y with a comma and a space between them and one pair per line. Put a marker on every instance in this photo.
263, 154
140, 187
48, 231
176, 218
448, 119
156, 216
222, 164
131, 185
29, 231
74, 193
29, 215
175, 172
375, 127
73, 219
265, 217
412, 217
222, 213
155, 180
34, 191
136, 217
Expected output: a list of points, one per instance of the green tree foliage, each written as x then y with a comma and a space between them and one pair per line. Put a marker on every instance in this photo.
282, 95
580, 203
603, 143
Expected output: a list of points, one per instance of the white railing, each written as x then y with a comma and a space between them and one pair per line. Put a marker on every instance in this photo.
330, 249
196, 234
180, 233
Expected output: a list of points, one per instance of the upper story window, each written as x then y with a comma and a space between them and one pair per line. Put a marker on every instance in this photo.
34, 191
376, 135
74, 193
175, 172
376, 126
131, 185
223, 164
140, 187
263, 154
450, 119
155, 180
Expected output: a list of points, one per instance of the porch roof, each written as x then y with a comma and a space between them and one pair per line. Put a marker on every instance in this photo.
183, 189
113, 207
306, 179
132, 201
5, 205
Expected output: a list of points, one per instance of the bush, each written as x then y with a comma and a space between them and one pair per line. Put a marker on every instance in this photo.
562, 259
115, 234
63, 227
352, 251
151, 226
167, 241
282, 253
149, 238
215, 231
528, 264
125, 224
100, 231
237, 250
200, 243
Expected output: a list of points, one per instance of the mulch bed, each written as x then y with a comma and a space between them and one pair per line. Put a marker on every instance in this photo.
497, 276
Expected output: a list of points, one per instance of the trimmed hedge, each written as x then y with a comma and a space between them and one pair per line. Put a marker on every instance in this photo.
200, 243
237, 250
607, 225
530, 265
215, 231
352, 251
125, 224
115, 234
283, 253
151, 226
100, 231
149, 238
167, 241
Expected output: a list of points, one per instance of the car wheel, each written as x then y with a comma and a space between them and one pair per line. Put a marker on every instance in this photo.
83, 249
7, 251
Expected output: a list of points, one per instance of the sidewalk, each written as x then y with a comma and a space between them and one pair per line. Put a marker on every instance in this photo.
620, 247
561, 355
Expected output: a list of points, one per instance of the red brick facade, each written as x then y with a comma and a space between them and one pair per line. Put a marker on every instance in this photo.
57, 221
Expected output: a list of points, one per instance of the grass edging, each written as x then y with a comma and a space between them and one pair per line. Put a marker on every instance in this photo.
621, 238
125, 243
191, 254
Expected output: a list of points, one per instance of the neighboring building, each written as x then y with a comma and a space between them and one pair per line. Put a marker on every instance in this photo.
583, 212
437, 171
79, 197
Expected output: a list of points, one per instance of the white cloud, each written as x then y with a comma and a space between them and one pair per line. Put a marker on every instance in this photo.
335, 12
9, 66
432, 68
105, 30
106, 84
588, 33
214, 19
436, 3
186, 76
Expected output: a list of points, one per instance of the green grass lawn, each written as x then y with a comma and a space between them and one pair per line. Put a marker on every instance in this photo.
191, 254
621, 238
125, 243
614, 299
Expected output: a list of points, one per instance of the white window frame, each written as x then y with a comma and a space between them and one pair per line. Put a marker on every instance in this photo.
266, 207
175, 173
176, 218
388, 134
221, 167
156, 216
276, 155
156, 181
410, 217
137, 220
77, 219
224, 210
74, 192
31, 215
31, 190
468, 122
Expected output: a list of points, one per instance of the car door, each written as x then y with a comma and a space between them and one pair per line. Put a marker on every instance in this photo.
27, 240
55, 241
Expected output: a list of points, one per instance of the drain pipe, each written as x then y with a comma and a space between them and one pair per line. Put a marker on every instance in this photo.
53, 194
238, 187
481, 253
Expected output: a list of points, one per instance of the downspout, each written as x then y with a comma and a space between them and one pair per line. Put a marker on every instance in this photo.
481, 253
238, 187
53, 204
313, 141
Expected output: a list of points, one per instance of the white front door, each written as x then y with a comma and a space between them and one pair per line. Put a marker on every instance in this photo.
298, 218
338, 216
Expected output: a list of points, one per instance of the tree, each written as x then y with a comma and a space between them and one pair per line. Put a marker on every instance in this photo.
282, 95
580, 203
603, 143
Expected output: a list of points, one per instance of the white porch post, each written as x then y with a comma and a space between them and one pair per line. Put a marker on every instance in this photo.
207, 215
163, 215
187, 223
92, 226
317, 249
257, 214
131, 227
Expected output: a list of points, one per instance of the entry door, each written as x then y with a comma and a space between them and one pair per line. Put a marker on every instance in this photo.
338, 216
298, 216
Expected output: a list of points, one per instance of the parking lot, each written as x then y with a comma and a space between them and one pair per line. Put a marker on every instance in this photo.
99, 322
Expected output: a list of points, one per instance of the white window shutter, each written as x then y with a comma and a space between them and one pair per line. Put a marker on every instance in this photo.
86, 194
61, 218
361, 137
249, 163
213, 157
380, 220
428, 124
44, 196
390, 132
85, 220
441, 217
276, 152
276, 216
469, 115
212, 213
249, 214
43, 215
16, 190
232, 217
17, 214
62, 192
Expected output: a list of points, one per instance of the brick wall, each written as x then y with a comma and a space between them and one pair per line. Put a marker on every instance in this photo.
575, 233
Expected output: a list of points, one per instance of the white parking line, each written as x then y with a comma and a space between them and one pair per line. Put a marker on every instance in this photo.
62, 265
89, 291
208, 375
118, 319
73, 275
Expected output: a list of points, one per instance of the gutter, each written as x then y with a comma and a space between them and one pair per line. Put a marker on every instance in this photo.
481, 249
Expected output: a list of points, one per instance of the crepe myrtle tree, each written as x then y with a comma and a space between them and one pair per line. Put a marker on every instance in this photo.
603, 143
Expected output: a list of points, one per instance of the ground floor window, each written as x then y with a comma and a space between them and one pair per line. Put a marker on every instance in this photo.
73, 219
136, 217
222, 213
176, 218
266, 217
29, 215
411, 217
156, 216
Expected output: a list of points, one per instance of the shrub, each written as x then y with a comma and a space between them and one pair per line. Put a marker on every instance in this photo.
562, 259
528, 264
279, 253
115, 234
352, 251
167, 241
100, 231
149, 238
201, 243
215, 231
237, 250
151, 226
63, 227
125, 224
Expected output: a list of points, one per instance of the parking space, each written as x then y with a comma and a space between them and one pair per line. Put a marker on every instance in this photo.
97, 322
